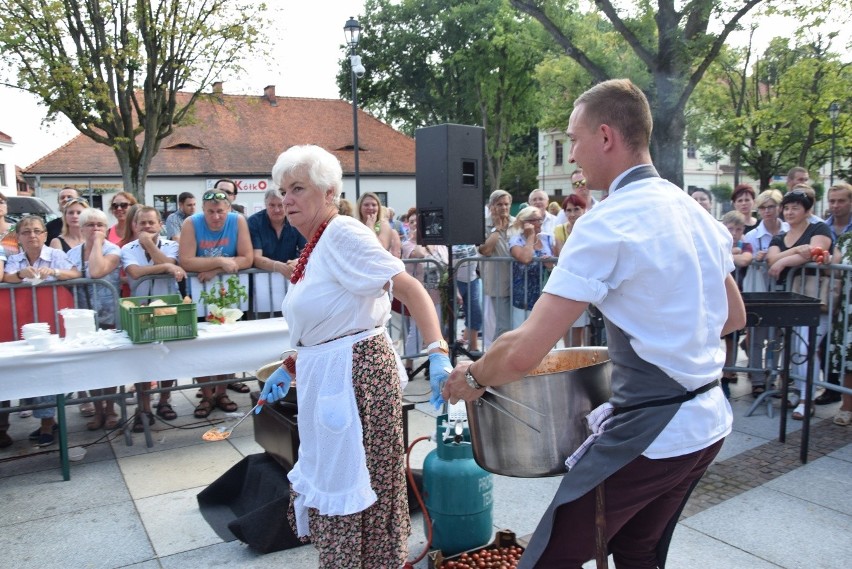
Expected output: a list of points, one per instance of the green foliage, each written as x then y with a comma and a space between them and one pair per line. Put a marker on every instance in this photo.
225, 296
115, 67
722, 192
770, 110
780, 186
449, 61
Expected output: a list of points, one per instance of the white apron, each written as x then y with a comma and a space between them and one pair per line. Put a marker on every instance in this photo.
330, 473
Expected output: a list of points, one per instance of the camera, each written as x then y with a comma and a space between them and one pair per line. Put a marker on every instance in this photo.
358, 69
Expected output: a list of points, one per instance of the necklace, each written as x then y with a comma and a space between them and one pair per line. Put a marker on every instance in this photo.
299, 271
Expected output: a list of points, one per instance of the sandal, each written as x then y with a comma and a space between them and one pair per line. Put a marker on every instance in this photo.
165, 411
730, 377
224, 403
138, 427
111, 421
758, 390
204, 408
239, 387
96, 423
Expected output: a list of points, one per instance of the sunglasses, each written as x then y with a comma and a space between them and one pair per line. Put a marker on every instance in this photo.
122, 205
218, 195
579, 183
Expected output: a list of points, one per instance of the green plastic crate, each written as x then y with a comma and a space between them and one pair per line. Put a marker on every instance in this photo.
143, 326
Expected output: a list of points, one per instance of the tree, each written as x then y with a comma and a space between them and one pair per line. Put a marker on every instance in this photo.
675, 54
771, 115
449, 61
115, 67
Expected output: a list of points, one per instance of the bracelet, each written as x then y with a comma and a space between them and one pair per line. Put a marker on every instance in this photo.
439, 344
471, 381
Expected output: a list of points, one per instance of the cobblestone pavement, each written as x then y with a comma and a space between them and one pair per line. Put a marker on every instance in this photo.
752, 468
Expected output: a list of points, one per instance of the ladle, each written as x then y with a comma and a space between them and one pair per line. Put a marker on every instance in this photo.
222, 433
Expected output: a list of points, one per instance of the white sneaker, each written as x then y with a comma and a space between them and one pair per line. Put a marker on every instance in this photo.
25, 414
843, 418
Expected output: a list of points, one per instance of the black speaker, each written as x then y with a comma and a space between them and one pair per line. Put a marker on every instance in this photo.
450, 160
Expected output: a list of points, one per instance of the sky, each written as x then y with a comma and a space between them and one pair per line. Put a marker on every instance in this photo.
303, 63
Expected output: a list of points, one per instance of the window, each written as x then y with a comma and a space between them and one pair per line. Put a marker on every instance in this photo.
559, 148
3, 175
383, 197
557, 193
166, 205
691, 150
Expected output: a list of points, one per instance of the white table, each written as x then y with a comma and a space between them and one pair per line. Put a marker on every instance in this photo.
238, 347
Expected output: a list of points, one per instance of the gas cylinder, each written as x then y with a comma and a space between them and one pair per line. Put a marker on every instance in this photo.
457, 492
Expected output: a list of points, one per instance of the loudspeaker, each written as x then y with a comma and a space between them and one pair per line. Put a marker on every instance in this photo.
450, 160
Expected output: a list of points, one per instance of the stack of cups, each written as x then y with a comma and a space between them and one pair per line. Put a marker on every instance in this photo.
29, 331
78, 321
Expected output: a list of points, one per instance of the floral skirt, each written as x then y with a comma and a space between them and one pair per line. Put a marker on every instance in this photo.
378, 536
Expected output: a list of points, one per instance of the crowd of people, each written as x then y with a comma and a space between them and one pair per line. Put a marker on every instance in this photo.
769, 248
81, 242
344, 265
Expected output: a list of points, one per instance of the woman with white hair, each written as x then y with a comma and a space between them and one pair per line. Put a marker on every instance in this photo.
527, 243
348, 485
98, 258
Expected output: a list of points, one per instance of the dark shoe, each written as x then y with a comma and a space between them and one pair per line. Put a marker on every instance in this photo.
45, 440
204, 408
828, 397
758, 390
239, 387
5, 440
35, 435
138, 427
224, 403
165, 411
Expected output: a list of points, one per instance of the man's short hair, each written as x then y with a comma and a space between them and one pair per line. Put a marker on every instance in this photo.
842, 187
529, 197
185, 196
791, 174
271, 194
233, 183
497, 195
623, 106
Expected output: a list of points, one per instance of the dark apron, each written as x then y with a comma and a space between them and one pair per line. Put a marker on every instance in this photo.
646, 399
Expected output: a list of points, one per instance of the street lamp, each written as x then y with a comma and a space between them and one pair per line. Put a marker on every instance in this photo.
833, 114
352, 31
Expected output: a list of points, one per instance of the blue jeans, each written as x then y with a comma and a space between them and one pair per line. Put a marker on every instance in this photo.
471, 294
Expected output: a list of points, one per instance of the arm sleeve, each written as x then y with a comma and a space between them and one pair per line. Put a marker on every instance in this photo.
361, 264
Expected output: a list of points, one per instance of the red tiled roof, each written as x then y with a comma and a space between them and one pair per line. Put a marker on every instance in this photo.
242, 135
6, 138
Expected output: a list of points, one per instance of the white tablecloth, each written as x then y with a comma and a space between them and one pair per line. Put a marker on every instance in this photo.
238, 347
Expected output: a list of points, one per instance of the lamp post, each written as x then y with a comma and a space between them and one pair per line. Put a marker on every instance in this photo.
352, 31
833, 114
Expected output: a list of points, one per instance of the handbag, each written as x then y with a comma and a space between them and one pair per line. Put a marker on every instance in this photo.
818, 287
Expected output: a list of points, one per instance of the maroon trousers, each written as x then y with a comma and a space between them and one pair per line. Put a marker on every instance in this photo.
641, 499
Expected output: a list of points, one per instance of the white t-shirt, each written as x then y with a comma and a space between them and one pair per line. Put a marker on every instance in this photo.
654, 263
134, 254
342, 291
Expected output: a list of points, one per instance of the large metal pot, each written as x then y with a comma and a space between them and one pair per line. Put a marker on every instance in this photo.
531, 426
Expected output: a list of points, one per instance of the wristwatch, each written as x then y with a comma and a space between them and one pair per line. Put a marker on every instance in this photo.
440, 344
471, 381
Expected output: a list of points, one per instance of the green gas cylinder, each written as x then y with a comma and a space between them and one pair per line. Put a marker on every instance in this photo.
457, 492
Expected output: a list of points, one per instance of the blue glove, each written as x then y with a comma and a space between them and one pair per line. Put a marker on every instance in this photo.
439, 370
276, 387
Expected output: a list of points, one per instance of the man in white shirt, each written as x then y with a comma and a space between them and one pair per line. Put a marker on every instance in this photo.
667, 416
538, 198
151, 255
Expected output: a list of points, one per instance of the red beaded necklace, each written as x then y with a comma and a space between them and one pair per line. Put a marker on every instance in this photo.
299, 271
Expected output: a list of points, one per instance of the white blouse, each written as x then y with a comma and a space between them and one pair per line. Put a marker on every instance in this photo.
342, 291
